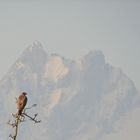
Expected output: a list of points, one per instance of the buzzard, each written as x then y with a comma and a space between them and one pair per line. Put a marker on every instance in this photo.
21, 102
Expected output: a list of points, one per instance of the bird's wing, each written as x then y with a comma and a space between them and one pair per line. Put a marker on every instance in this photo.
21, 102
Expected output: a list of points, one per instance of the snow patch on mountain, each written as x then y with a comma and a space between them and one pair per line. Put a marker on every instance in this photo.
54, 100
55, 68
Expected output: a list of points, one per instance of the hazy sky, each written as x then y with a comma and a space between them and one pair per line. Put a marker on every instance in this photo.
73, 28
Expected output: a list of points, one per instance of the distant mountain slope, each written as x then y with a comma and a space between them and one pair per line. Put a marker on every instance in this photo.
81, 99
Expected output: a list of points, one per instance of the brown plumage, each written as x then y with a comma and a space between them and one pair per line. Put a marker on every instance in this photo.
21, 102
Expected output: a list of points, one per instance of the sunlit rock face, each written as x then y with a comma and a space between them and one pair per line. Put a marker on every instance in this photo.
83, 99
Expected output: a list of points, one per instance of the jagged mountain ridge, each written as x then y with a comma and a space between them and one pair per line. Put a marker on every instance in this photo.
81, 99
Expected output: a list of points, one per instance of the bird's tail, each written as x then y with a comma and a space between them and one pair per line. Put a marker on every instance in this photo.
19, 112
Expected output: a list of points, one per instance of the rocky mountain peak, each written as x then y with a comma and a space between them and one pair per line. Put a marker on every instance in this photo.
94, 57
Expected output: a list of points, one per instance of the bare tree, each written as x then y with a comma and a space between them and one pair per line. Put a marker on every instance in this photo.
18, 119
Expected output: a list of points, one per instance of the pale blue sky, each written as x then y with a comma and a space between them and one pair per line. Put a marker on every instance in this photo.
73, 28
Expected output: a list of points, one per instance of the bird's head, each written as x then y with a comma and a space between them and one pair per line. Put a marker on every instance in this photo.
24, 93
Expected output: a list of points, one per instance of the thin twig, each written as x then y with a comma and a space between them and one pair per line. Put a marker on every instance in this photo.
34, 105
32, 118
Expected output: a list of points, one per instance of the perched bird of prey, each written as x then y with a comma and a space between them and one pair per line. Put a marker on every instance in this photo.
21, 102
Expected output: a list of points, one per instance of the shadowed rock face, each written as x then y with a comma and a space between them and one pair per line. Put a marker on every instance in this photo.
81, 99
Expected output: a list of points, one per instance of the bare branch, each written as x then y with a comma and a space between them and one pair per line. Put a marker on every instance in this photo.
33, 118
34, 105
